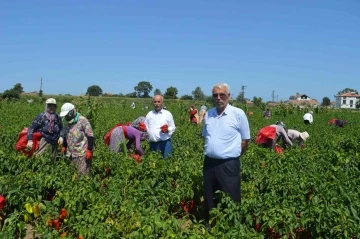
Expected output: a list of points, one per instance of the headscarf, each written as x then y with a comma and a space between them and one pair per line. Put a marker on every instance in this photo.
51, 118
203, 108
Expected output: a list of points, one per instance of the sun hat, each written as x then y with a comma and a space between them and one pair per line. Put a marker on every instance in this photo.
304, 135
50, 101
66, 108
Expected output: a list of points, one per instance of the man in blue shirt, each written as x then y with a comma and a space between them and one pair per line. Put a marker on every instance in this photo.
227, 136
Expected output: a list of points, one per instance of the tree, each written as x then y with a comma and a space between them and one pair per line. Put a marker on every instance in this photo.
240, 98
357, 104
186, 97
94, 90
13, 93
171, 93
325, 101
198, 94
257, 101
143, 89
18, 88
347, 90
157, 92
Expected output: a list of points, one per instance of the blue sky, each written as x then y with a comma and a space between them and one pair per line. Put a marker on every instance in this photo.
307, 46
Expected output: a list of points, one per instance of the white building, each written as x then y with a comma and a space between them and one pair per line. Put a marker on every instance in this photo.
347, 100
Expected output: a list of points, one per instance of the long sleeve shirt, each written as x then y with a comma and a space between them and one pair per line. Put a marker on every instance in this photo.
77, 137
280, 132
308, 117
294, 135
41, 124
154, 120
134, 137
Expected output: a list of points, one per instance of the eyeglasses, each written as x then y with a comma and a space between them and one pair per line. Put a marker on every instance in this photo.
222, 95
157, 101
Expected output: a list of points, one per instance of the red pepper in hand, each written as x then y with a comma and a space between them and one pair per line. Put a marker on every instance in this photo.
88, 154
136, 157
142, 126
164, 128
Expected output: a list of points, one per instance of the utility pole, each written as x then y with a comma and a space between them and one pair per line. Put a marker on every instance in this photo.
41, 92
273, 96
277, 98
243, 93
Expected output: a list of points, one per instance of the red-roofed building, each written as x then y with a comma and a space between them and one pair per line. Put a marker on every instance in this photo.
347, 100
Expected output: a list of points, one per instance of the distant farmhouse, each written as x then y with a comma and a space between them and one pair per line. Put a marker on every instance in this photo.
302, 100
347, 100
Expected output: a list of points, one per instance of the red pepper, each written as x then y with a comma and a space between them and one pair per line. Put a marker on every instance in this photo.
2, 202
56, 224
63, 214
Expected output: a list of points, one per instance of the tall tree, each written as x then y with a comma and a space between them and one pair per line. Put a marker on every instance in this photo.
347, 90
143, 89
18, 88
94, 90
240, 98
171, 93
13, 93
157, 92
325, 101
198, 94
186, 97
257, 101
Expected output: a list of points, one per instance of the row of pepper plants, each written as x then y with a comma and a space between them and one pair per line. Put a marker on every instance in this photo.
302, 193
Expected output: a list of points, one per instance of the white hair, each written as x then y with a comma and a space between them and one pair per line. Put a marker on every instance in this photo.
222, 85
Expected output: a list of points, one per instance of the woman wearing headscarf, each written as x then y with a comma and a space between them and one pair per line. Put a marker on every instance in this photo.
193, 114
77, 138
268, 136
202, 113
49, 124
134, 133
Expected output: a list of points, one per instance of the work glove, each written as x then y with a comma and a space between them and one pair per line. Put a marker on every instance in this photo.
164, 128
29, 145
88, 155
60, 141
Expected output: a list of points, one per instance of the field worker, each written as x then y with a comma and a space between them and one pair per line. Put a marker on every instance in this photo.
267, 114
338, 123
193, 113
49, 124
227, 136
295, 135
132, 105
308, 118
202, 113
268, 136
160, 126
77, 138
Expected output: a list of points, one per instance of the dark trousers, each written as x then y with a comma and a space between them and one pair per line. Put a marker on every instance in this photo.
164, 146
220, 174
306, 122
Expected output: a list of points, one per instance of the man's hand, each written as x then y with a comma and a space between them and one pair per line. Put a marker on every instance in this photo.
164, 128
29, 145
88, 155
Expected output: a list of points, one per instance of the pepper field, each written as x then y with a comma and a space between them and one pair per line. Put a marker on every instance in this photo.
304, 193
